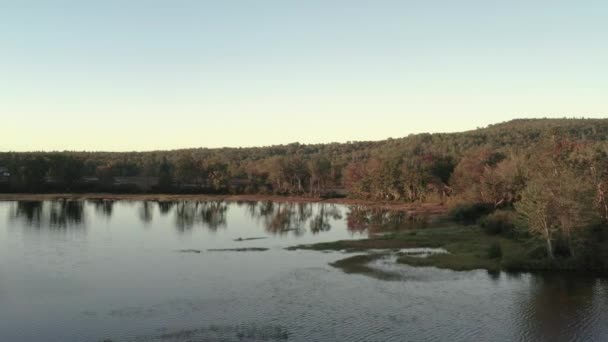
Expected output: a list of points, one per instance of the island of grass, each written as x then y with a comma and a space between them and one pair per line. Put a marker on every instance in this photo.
469, 248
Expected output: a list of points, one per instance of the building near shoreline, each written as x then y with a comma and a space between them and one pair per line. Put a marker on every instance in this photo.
5, 175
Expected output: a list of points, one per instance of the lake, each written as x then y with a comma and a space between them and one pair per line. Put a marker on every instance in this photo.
219, 271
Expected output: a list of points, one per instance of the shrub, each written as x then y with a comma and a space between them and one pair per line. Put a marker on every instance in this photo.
593, 252
516, 262
470, 213
495, 250
500, 222
537, 253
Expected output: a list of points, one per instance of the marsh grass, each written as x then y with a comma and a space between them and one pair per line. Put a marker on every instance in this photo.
469, 248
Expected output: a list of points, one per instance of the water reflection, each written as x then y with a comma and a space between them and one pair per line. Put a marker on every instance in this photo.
66, 214
558, 308
146, 212
377, 220
30, 212
277, 218
281, 218
211, 214
321, 222
103, 207
95, 284
165, 207
56, 214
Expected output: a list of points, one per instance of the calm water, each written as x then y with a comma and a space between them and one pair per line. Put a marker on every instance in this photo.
95, 271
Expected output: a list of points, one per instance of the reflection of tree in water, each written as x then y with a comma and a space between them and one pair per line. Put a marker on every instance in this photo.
213, 214
28, 211
266, 208
376, 220
558, 308
146, 212
288, 217
209, 214
55, 214
164, 207
251, 207
321, 220
281, 218
104, 207
64, 214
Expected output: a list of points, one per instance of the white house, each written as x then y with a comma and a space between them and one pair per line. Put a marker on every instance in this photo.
4, 174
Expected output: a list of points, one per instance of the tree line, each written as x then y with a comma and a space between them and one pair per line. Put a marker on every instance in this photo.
422, 167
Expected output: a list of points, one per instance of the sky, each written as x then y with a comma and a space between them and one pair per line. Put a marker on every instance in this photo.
119, 75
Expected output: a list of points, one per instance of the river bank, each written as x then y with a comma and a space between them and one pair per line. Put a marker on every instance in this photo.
468, 248
411, 208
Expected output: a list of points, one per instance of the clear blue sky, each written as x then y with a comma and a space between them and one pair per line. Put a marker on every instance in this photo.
142, 75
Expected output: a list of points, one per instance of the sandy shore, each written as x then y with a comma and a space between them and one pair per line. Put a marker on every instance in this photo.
414, 208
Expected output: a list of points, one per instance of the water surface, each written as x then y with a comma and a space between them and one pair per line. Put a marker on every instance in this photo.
143, 271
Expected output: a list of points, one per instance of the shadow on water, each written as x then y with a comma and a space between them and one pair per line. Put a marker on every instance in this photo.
61, 214
558, 307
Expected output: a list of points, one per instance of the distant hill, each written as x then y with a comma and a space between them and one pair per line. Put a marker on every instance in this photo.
291, 168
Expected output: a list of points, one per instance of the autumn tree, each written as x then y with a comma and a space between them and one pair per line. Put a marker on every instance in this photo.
319, 169
187, 170
557, 202
217, 174
32, 173
165, 175
66, 170
426, 173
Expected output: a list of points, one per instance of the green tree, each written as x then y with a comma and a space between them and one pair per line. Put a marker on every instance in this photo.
319, 169
32, 173
165, 175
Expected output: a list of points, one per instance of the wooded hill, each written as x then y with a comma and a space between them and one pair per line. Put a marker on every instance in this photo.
412, 168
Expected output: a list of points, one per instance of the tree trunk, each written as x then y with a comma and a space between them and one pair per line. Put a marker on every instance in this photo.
550, 249
549, 243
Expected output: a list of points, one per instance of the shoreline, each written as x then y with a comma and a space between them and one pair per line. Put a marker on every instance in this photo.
412, 208
468, 249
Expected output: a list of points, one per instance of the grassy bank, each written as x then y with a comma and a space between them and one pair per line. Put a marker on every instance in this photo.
468, 246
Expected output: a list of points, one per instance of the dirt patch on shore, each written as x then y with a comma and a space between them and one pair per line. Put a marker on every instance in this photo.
412, 208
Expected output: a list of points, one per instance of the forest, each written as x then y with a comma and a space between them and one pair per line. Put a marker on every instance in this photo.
549, 176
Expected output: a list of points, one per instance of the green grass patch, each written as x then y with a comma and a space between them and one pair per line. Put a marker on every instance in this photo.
468, 246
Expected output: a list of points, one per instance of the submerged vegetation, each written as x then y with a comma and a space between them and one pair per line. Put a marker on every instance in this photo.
244, 249
534, 193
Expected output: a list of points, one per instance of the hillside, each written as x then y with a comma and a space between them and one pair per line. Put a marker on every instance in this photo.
293, 168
